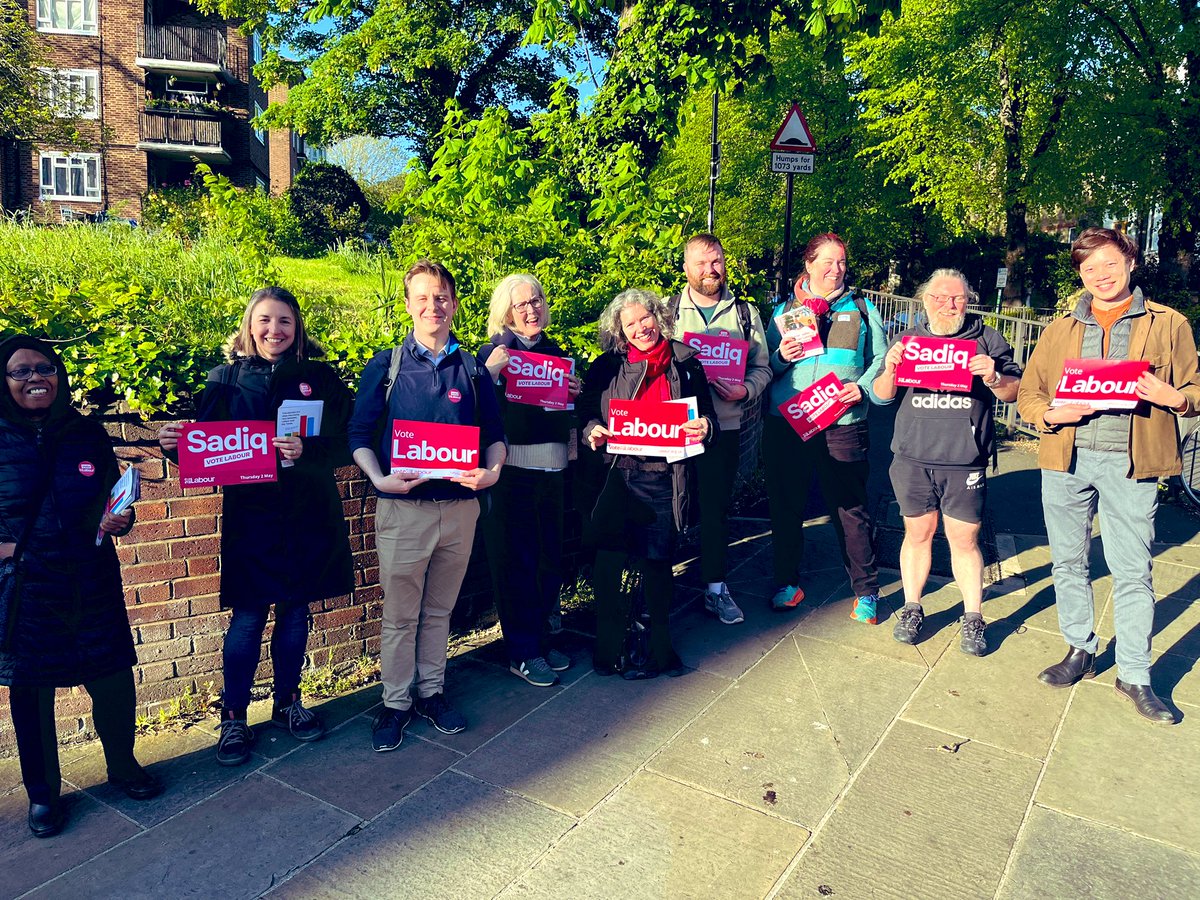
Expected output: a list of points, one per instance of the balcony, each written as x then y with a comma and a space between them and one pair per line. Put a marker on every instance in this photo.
179, 135
189, 51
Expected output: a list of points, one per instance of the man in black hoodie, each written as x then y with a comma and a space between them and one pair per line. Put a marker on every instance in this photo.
942, 443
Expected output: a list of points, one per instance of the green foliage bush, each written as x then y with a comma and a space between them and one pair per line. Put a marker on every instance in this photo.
329, 207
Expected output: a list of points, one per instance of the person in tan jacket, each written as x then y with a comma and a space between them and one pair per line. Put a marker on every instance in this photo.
1109, 460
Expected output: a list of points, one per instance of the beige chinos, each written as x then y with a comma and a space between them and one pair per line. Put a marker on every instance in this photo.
424, 547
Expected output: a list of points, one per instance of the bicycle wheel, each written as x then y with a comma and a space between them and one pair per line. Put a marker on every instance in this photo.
1189, 478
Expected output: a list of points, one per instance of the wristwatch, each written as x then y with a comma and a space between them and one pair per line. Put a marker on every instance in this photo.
995, 382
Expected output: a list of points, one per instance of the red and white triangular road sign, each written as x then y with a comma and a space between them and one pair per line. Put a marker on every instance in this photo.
794, 135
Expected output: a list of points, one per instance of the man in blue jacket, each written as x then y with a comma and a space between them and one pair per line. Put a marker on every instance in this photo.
424, 528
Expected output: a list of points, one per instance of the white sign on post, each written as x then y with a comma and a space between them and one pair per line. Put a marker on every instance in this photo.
794, 135
1001, 278
795, 163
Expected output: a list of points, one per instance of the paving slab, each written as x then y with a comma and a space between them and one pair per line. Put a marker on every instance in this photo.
1116, 768
915, 817
454, 838
236, 844
1063, 856
943, 605
657, 838
492, 699
766, 743
184, 760
573, 751
26, 861
995, 699
1176, 627
345, 771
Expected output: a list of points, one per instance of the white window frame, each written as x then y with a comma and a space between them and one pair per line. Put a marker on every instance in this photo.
88, 16
260, 133
66, 106
67, 163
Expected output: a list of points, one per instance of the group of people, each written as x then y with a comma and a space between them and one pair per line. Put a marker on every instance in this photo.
285, 543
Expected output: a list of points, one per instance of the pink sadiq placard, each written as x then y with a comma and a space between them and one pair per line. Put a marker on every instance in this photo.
816, 407
723, 357
1100, 383
217, 453
936, 364
536, 379
433, 450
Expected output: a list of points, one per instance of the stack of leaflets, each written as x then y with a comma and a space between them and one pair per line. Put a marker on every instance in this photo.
124, 494
800, 323
298, 417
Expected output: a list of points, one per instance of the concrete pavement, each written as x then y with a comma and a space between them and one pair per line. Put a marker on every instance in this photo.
806, 755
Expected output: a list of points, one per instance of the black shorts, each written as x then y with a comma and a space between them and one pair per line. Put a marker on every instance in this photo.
958, 493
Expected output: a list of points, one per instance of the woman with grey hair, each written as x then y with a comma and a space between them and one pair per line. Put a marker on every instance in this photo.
641, 502
524, 531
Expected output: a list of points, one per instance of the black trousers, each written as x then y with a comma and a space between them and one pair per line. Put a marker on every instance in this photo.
612, 609
716, 471
838, 458
113, 702
523, 534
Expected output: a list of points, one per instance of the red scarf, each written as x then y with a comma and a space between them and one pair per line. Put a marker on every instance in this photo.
655, 385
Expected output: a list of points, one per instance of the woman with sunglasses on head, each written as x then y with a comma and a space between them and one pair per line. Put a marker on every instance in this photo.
66, 623
284, 542
524, 529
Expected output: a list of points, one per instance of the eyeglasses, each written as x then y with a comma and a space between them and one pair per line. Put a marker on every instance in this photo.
532, 303
947, 299
24, 373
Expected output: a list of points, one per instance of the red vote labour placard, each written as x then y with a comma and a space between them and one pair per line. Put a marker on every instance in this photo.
816, 407
536, 379
215, 453
652, 428
433, 450
723, 357
1100, 383
936, 364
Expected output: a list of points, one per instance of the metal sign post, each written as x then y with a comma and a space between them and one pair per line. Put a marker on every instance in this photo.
792, 152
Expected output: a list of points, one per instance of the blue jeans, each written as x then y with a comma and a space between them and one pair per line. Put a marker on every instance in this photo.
243, 644
1097, 479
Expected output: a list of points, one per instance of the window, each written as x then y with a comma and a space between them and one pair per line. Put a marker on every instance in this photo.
73, 92
259, 133
259, 183
68, 16
74, 176
256, 53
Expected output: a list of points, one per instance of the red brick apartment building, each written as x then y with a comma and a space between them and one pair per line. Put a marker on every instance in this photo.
159, 87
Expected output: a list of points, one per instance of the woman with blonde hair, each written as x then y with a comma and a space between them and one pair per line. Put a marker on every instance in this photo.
283, 542
524, 530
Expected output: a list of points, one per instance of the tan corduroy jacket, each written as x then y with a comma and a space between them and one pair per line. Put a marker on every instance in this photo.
1163, 337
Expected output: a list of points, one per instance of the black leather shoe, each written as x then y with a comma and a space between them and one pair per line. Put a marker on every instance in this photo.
1146, 703
141, 786
46, 819
1075, 666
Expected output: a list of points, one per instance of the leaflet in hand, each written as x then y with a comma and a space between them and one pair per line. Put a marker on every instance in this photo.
298, 417
653, 428
126, 492
433, 450
537, 379
816, 407
723, 357
1100, 383
800, 323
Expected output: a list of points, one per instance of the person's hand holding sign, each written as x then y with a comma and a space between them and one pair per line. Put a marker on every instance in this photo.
1154, 390
290, 446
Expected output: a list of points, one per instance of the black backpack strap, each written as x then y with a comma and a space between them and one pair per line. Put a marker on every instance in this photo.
472, 368
393, 371
743, 311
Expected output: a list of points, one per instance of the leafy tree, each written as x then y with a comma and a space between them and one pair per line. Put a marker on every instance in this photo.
328, 205
24, 113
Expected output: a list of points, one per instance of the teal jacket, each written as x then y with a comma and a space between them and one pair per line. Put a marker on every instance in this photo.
854, 351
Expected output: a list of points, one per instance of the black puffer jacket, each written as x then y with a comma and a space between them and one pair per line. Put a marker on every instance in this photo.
287, 541
71, 626
612, 376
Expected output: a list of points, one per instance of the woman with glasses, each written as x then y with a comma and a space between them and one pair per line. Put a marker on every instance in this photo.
854, 342
66, 623
524, 529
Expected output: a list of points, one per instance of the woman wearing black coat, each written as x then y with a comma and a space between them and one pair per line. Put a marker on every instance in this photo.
284, 542
67, 624
524, 530
642, 502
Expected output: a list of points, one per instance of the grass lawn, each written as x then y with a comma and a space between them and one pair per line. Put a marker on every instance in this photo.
327, 278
